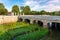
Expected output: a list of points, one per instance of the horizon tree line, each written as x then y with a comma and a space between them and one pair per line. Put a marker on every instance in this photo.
26, 10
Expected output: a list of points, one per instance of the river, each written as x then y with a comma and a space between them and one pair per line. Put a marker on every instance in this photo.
52, 35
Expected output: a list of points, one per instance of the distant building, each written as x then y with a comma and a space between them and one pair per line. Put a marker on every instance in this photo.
10, 13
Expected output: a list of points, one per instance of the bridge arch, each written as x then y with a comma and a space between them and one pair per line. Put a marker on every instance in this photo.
27, 20
54, 25
40, 23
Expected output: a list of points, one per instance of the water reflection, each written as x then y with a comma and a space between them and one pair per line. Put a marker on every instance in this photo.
52, 35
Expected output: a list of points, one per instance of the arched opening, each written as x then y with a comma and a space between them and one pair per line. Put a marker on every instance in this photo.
20, 19
27, 20
40, 23
51, 25
58, 26
54, 26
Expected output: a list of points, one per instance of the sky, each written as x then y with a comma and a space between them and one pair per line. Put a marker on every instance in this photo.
38, 5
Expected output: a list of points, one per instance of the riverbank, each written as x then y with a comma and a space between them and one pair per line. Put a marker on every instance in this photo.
20, 30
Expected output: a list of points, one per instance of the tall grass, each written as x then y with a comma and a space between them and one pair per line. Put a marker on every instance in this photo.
11, 30
6, 27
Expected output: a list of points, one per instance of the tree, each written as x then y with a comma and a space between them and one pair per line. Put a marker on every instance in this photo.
34, 12
43, 12
55, 13
26, 10
2, 6
3, 10
15, 9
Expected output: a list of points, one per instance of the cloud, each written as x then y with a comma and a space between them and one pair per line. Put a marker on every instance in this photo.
51, 5
33, 4
48, 5
53, 2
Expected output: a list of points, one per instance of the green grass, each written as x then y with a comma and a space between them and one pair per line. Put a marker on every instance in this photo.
6, 27
32, 36
10, 30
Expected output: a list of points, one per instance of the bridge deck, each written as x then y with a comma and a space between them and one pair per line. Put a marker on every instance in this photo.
41, 17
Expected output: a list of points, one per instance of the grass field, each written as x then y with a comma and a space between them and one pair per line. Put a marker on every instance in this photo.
21, 31
6, 27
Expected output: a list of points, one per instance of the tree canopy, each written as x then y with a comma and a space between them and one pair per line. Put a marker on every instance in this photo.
3, 10
43, 12
15, 9
26, 10
2, 6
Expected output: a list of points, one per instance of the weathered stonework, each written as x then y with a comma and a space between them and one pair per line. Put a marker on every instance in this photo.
8, 19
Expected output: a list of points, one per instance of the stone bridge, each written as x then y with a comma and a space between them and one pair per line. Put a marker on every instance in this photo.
43, 20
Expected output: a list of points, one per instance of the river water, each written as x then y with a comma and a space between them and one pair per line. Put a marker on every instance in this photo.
52, 35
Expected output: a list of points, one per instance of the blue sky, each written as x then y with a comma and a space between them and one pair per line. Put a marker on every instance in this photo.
38, 5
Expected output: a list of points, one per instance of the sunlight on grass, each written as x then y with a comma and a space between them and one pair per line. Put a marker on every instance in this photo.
5, 27
9, 30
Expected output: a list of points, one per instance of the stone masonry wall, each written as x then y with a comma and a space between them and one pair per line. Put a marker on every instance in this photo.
8, 19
